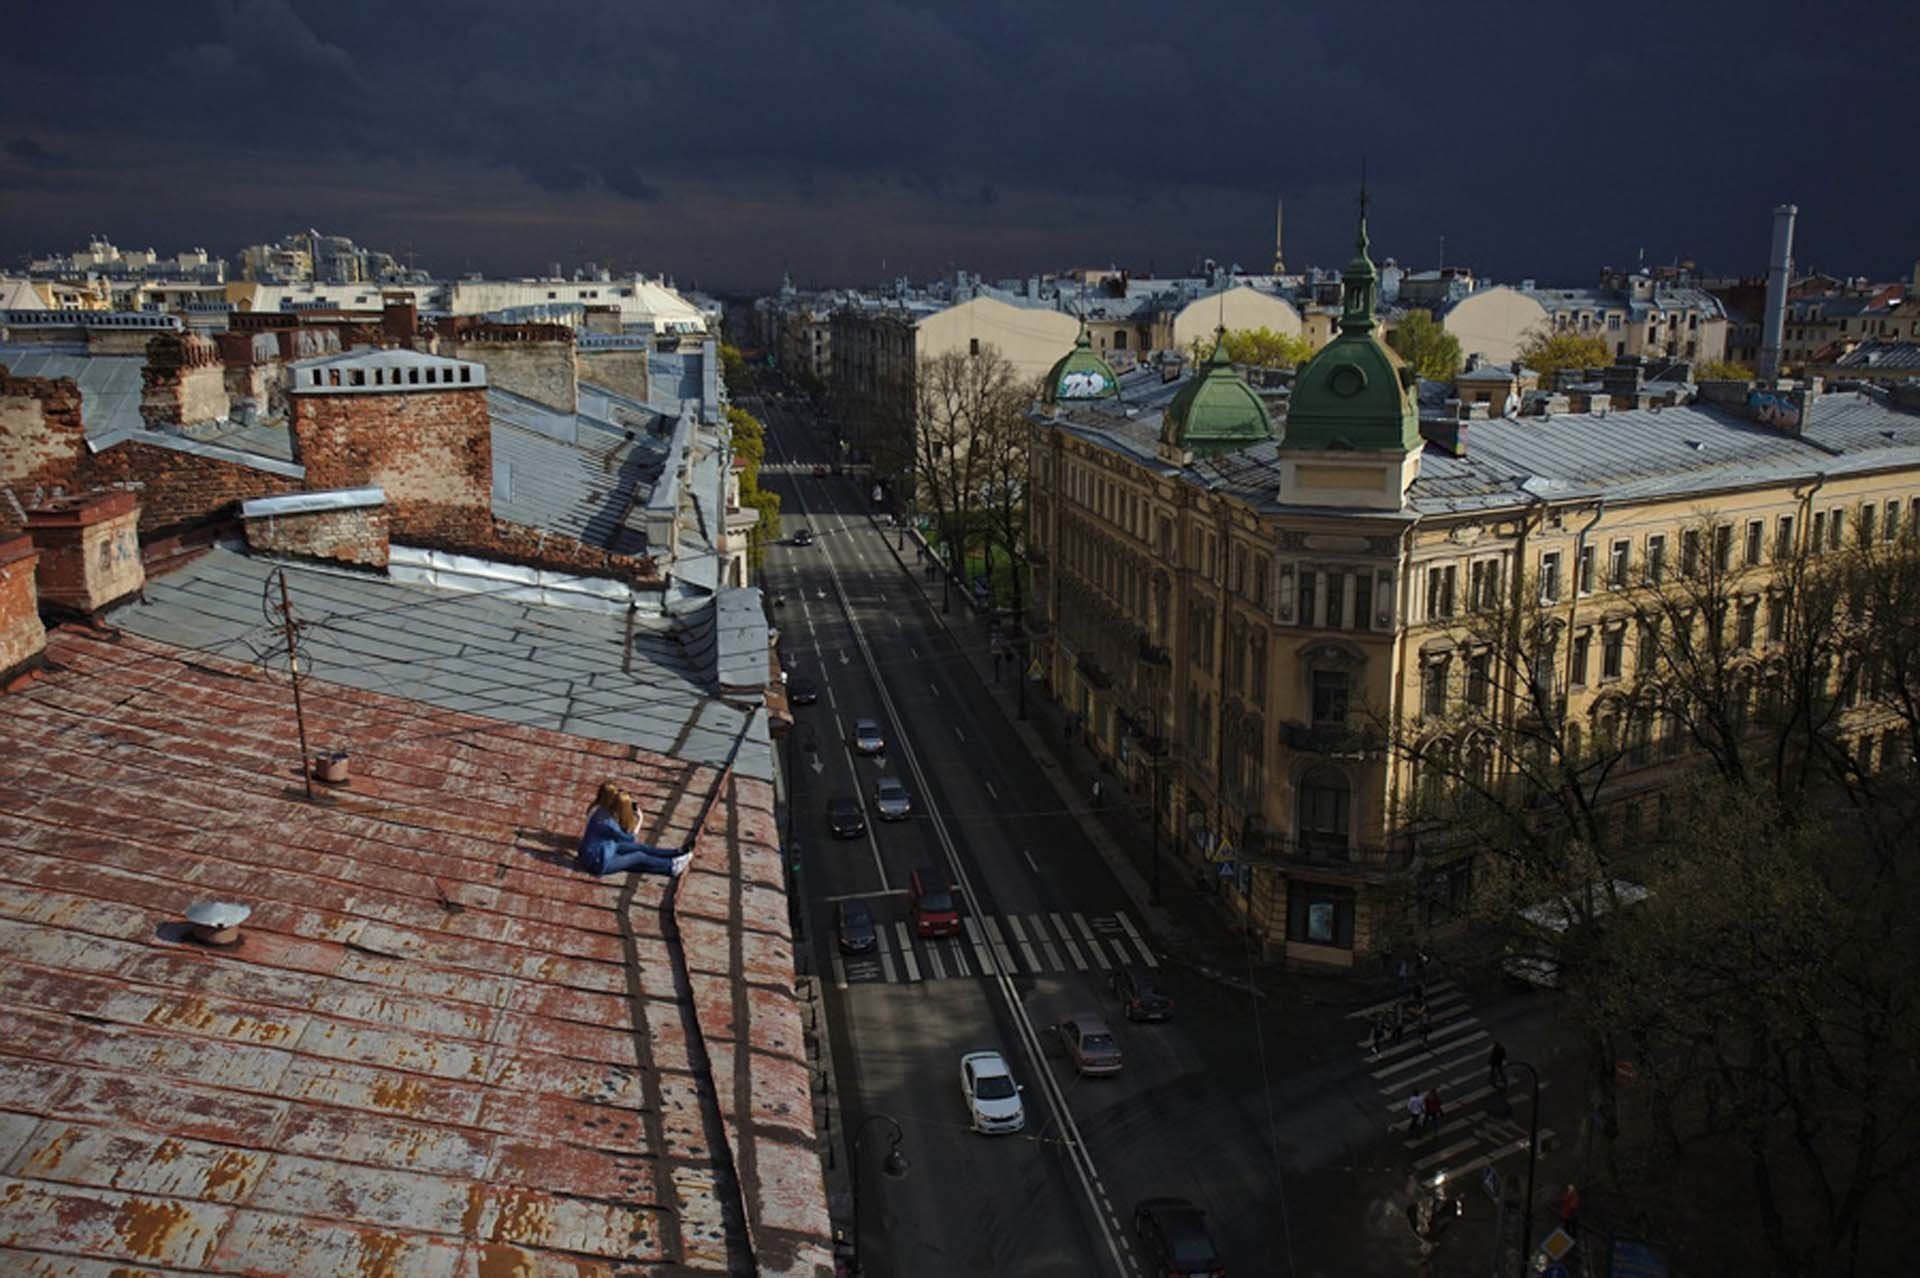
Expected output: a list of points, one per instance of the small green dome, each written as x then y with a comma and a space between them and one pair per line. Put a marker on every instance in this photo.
1079, 374
1216, 411
1355, 392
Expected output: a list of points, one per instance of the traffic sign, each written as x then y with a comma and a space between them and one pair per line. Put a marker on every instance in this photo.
1554, 1271
1226, 869
1556, 1245
1490, 1179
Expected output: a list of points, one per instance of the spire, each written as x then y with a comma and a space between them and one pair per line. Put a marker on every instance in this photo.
1220, 354
1360, 280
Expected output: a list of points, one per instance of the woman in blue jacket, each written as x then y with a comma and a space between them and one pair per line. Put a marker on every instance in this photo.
609, 845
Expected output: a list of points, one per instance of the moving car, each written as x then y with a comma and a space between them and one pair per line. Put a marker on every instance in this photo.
854, 925
802, 537
802, 691
1090, 1045
993, 1098
934, 913
890, 799
845, 818
1139, 997
867, 738
1174, 1239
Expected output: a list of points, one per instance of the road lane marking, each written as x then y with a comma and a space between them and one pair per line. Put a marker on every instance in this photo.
880, 949
1145, 951
1031, 863
1026, 948
1000, 948
934, 964
906, 952
990, 792
958, 733
1066, 939
1046, 944
839, 971
959, 953
1458, 1147
934, 688
1093, 946
1428, 1059
1434, 987
980, 953
864, 896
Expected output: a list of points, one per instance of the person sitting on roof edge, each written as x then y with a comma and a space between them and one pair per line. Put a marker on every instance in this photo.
609, 846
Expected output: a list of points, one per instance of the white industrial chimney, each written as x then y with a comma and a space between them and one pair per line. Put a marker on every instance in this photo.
1779, 275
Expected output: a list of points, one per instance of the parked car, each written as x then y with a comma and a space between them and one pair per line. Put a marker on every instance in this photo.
802, 537
1174, 1239
1139, 997
867, 738
802, 691
854, 925
845, 818
1090, 1045
934, 913
890, 799
993, 1098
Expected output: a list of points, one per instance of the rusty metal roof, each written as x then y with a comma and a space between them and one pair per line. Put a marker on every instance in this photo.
438, 1049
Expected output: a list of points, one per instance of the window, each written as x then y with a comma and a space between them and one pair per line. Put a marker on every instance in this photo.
1723, 548
1743, 633
1330, 692
1318, 915
1783, 539
1836, 529
1756, 533
1689, 552
1483, 585
1479, 680
1613, 323
1262, 569
1611, 648
973, 346
1819, 539
1586, 569
1325, 808
1440, 591
1647, 650
1656, 557
1619, 556
1890, 527
1238, 572
1336, 600
1119, 339
1776, 618
1433, 688
1308, 580
1549, 576
1582, 642
1866, 521
1363, 601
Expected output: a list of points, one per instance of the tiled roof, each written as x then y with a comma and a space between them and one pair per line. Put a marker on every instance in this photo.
438, 1050
1881, 356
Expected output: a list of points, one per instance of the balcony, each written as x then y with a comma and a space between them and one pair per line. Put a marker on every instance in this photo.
1093, 672
1335, 740
1356, 864
1150, 653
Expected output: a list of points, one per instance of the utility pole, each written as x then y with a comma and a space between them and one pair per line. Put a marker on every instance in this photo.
293, 669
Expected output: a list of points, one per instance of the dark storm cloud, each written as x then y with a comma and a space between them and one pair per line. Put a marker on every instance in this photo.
33, 155
1539, 141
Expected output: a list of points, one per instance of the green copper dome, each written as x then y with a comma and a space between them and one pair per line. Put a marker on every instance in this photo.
1355, 392
1216, 411
1079, 374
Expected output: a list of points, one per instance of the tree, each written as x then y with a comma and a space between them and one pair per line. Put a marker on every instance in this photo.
750, 446
733, 368
1003, 440
960, 401
1722, 370
1433, 352
1551, 350
1258, 348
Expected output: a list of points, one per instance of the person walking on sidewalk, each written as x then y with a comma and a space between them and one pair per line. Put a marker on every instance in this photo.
1430, 1105
1570, 1212
1399, 1023
1416, 1112
1096, 792
1375, 1033
1497, 1065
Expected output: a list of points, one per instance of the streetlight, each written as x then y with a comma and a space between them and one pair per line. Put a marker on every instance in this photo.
1498, 1106
894, 1168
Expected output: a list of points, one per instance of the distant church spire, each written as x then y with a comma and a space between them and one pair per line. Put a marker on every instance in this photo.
1279, 238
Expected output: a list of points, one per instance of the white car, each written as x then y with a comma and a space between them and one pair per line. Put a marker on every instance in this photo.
993, 1098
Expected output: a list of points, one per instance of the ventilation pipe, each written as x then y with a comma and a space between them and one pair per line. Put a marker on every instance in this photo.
1779, 275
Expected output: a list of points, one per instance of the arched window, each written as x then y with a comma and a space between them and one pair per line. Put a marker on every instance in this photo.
1324, 812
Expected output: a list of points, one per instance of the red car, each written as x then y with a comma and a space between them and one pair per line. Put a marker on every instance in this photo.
934, 912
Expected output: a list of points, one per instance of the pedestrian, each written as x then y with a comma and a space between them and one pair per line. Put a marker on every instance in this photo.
1497, 1065
1416, 1111
1376, 1030
1096, 792
1400, 976
1399, 1024
1570, 1212
1431, 1105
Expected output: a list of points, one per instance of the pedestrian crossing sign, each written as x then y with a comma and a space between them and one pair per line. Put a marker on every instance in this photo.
1224, 853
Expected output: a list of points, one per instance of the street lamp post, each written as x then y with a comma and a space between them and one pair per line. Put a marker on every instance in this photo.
1533, 1151
894, 1168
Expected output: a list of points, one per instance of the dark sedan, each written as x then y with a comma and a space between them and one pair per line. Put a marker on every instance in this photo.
854, 925
1141, 999
845, 818
802, 537
802, 691
1174, 1239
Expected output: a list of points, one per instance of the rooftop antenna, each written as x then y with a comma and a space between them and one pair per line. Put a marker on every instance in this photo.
1443, 252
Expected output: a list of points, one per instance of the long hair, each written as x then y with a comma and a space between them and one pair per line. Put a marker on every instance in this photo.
624, 813
605, 800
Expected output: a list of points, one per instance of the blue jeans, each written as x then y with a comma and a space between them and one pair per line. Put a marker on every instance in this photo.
600, 858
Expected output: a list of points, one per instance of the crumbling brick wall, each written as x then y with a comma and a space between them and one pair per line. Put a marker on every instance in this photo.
183, 383
431, 451
357, 535
42, 443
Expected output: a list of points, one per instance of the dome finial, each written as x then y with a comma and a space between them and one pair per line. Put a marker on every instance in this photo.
1359, 279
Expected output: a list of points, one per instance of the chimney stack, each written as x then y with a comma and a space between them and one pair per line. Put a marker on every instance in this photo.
1779, 276
89, 551
23, 640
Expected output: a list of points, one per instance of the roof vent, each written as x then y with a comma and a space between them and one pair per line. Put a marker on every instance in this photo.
216, 922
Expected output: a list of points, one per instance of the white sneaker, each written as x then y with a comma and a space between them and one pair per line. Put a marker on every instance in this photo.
681, 862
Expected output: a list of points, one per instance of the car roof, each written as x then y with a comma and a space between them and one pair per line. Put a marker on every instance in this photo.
843, 801
986, 1063
885, 782
1089, 1023
861, 725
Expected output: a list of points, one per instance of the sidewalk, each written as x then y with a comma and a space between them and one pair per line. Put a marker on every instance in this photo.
1188, 924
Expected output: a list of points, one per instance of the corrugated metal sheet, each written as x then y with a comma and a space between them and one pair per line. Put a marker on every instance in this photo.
433, 1052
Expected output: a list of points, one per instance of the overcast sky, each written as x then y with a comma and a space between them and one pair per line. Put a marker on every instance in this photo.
855, 140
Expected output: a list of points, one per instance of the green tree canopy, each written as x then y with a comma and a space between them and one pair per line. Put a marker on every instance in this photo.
1722, 370
750, 446
1433, 352
1258, 347
733, 368
1548, 351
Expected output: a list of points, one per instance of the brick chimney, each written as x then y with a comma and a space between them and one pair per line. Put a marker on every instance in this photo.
533, 360
89, 551
184, 382
414, 425
23, 640
43, 441
347, 525
399, 320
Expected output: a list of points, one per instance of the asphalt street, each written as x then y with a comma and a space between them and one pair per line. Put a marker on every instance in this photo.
1286, 1143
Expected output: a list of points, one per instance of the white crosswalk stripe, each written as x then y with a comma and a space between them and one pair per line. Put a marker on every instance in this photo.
1021, 945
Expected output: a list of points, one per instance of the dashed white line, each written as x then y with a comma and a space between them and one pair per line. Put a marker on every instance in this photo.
1031, 863
1026, 947
934, 964
1138, 944
958, 733
1046, 945
1093, 946
991, 794
1066, 939
906, 952
999, 942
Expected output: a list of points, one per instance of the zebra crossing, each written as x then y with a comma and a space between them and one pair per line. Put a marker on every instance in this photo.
1451, 1056
1037, 944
